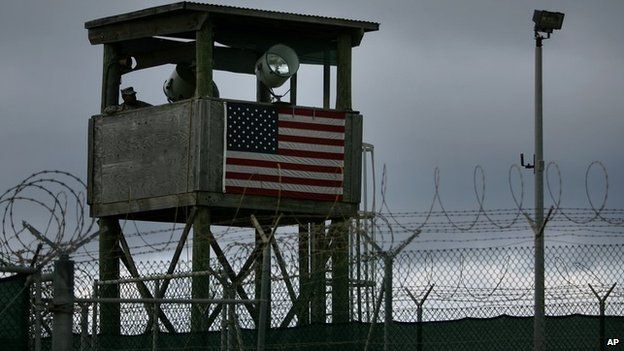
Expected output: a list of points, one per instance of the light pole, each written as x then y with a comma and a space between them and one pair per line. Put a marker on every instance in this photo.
545, 23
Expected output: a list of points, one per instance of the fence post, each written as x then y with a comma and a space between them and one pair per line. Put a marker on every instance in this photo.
230, 318
155, 309
84, 326
94, 319
358, 268
388, 262
264, 318
63, 304
224, 308
388, 257
419, 341
264, 295
318, 280
369, 338
601, 318
38, 309
419, 313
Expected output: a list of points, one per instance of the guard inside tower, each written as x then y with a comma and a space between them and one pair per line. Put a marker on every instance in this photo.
130, 102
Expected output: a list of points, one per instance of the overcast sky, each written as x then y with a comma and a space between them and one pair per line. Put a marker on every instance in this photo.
443, 83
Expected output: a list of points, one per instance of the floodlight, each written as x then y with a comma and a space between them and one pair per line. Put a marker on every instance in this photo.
276, 65
181, 84
546, 21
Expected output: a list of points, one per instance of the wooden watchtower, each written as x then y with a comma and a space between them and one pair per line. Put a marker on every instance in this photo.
176, 162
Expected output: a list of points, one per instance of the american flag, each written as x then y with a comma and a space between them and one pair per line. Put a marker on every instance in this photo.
284, 151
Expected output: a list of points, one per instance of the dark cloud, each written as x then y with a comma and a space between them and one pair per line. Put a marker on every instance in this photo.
444, 84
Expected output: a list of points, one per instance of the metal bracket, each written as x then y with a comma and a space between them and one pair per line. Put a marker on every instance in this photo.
527, 165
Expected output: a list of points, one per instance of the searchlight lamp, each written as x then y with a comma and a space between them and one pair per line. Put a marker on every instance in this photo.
181, 84
546, 21
276, 65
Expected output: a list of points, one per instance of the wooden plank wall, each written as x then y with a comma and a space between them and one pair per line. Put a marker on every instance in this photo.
142, 154
210, 164
146, 159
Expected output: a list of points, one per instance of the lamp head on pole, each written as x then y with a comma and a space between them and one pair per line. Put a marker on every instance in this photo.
546, 21
276, 65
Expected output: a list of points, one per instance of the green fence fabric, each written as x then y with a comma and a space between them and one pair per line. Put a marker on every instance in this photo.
576, 332
14, 311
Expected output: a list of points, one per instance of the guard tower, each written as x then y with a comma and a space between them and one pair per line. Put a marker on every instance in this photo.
197, 161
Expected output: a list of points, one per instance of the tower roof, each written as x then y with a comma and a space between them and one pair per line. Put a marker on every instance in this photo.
237, 27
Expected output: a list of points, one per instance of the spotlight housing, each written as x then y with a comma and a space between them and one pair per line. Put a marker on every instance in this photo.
276, 65
546, 21
181, 84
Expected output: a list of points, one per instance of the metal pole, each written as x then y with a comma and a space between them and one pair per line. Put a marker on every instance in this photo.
264, 296
94, 319
365, 210
38, 309
388, 261
351, 268
419, 313
230, 317
601, 306
168, 301
63, 304
365, 229
155, 317
538, 321
372, 322
358, 269
84, 327
601, 326
224, 321
373, 217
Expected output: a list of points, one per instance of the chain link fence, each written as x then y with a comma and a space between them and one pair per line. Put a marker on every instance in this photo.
14, 312
456, 299
482, 299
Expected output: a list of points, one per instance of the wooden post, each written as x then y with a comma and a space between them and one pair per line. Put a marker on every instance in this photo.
109, 270
340, 271
203, 56
326, 79
343, 77
340, 247
110, 231
201, 262
200, 286
293, 89
111, 77
318, 282
262, 92
304, 275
